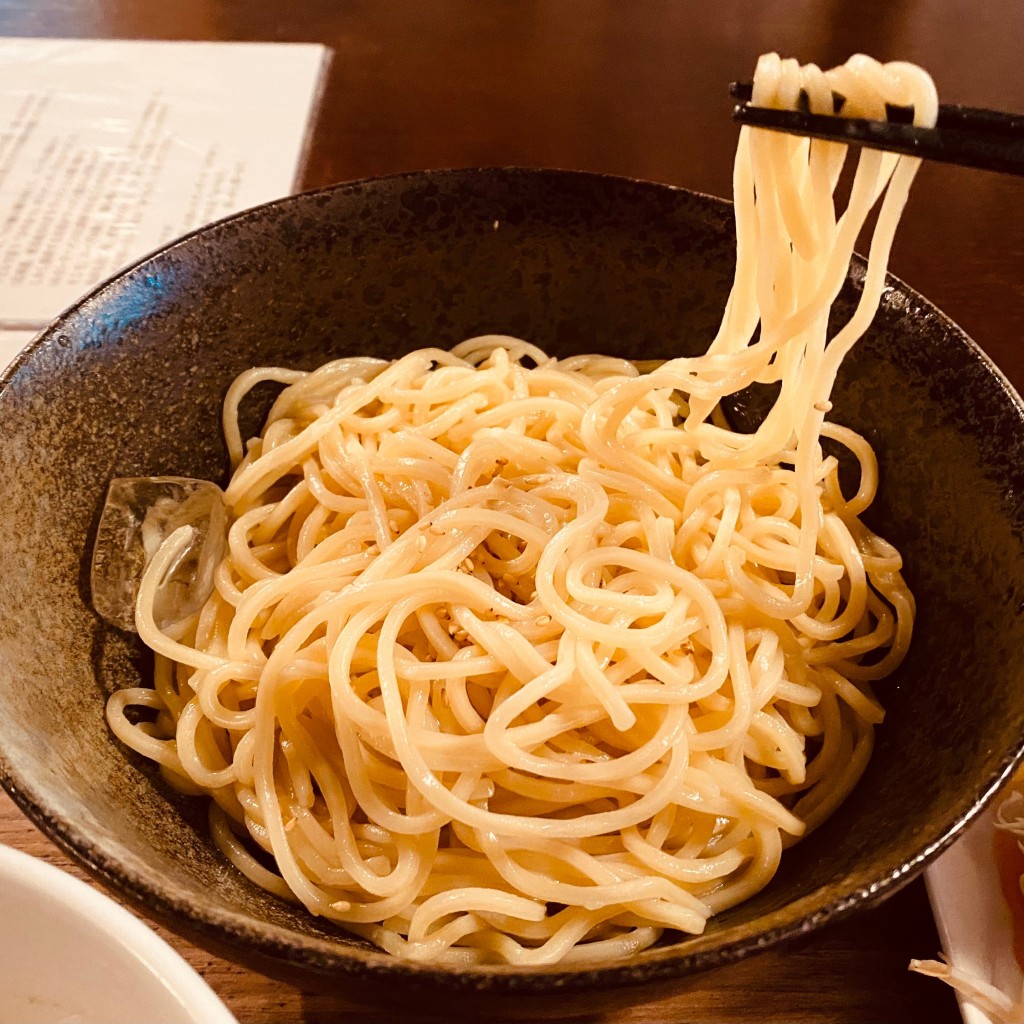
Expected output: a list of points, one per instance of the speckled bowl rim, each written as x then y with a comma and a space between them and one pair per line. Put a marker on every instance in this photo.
227, 931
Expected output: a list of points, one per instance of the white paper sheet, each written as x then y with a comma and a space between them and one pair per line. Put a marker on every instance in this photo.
11, 343
109, 149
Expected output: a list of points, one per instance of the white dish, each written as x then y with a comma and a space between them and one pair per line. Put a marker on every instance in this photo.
70, 955
973, 919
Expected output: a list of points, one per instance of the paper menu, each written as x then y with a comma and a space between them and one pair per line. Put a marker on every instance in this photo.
110, 148
11, 343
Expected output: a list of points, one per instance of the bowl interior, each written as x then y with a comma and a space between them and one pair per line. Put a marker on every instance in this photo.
130, 381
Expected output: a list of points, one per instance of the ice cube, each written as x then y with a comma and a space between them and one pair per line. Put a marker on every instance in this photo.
140, 513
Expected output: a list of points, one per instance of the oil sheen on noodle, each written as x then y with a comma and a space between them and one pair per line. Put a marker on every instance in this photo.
524, 660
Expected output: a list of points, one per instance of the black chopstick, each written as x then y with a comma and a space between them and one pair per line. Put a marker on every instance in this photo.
969, 136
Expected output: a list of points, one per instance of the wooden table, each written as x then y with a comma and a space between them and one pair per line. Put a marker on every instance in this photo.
634, 88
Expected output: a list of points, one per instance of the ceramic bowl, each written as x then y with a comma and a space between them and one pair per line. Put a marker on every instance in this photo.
129, 382
49, 919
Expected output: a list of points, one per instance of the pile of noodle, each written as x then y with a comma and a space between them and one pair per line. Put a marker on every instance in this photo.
523, 660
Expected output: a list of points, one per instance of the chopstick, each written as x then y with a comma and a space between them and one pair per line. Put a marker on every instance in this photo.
969, 136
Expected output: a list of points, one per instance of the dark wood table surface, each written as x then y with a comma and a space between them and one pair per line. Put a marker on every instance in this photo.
631, 87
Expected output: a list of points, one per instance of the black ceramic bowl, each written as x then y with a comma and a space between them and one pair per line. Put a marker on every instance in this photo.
130, 382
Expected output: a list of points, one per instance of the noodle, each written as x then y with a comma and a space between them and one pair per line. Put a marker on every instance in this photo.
524, 660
